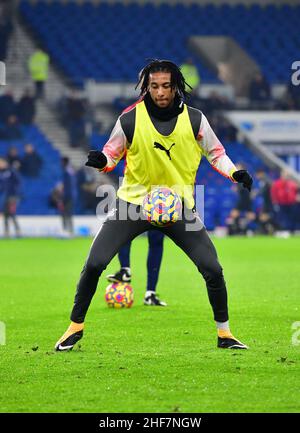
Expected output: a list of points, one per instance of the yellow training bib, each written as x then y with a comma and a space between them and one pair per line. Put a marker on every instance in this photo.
165, 160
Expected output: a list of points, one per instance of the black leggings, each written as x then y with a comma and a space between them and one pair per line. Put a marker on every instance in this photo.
114, 233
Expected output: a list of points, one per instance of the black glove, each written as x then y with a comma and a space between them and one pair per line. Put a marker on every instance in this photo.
242, 176
96, 159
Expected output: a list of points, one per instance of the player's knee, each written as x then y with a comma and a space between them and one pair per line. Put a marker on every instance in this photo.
213, 275
94, 267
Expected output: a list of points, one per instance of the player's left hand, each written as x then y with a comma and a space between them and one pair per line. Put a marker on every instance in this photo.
242, 176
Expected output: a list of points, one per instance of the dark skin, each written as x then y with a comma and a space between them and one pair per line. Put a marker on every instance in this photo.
160, 89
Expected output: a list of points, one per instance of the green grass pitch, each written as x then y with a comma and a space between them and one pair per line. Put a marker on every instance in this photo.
150, 359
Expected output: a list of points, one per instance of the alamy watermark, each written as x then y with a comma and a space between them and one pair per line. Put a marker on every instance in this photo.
120, 210
296, 334
2, 74
2, 334
296, 75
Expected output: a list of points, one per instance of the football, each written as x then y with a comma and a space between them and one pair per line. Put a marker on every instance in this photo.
162, 207
119, 295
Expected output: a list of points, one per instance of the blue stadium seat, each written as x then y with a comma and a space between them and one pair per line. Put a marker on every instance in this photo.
109, 28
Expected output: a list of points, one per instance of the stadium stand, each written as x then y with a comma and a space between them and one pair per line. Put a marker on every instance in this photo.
103, 42
112, 46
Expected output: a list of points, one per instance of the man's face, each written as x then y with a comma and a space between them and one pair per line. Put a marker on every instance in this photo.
28, 148
160, 89
3, 164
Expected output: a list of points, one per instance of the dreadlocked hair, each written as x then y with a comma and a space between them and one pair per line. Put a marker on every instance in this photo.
177, 79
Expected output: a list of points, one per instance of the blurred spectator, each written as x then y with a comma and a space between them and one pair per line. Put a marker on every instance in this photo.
235, 223
292, 97
75, 117
212, 104
264, 190
223, 129
266, 222
191, 75
87, 186
38, 65
7, 106
26, 108
284, 193
13, 158
31, 162
5, 31
242, 217
11, 130
69, 188
241, 222
122, 102
9, 196
244, 200
259, 91
215, 102
56, 197
6, 9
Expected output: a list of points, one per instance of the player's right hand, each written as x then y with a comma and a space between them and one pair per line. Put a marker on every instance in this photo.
96, 159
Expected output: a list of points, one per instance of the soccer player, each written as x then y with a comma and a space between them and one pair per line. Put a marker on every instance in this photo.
155, 251
155, 239
164, 140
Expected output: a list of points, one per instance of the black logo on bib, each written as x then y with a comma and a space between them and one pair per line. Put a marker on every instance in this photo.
161, 147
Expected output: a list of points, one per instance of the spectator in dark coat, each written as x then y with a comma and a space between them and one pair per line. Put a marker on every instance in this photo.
87, 186
13, 156
242, 216
7, 106
56, 197
9, 196
266, 220
75, 114
12, 129
69, 191
259, 90
26, 108
5, 32
31, 162
264, 190
293, 96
